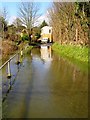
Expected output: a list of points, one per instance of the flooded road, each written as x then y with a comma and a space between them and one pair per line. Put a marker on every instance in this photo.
45, 86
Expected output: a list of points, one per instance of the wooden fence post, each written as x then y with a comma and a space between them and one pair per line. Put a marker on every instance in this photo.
18, 59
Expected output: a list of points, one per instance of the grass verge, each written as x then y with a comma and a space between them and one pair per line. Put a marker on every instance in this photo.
76, 54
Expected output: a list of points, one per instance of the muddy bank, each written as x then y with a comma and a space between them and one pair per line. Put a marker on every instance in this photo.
8, 48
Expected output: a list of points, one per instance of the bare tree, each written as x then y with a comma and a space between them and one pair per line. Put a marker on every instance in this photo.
28, 14
69, 27
17, 22
5, 13
3, 20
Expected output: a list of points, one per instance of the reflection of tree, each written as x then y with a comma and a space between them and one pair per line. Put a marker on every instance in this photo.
61, 72
64, 75
69, 96
74, 75
35, 52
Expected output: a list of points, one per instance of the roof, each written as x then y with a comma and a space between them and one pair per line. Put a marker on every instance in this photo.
45, 27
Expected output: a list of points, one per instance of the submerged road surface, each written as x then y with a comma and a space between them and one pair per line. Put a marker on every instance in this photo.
46, 86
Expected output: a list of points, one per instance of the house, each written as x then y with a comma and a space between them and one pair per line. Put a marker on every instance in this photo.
46, 34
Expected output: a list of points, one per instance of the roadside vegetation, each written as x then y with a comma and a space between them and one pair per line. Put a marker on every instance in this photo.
70, 22
73, 52
71, 29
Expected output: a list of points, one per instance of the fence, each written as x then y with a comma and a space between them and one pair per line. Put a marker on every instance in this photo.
11, 68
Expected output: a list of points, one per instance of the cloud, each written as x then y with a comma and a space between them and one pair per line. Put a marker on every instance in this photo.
11, 19
42, 18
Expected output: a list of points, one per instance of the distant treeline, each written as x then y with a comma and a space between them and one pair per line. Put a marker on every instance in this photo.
70, 22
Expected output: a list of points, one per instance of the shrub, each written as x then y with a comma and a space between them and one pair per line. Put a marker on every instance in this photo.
25, 37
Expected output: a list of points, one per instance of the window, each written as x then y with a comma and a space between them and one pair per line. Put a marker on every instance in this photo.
49, 31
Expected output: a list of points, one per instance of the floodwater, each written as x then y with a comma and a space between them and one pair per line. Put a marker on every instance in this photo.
45, 85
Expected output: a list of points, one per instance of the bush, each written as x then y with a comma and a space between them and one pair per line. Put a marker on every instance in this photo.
37, 35
25, 37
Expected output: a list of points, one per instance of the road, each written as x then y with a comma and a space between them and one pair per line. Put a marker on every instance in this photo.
45, 86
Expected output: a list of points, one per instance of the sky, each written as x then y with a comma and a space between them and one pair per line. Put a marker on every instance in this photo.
13, 7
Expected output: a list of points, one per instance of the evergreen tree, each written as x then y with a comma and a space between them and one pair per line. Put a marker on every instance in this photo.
43, 24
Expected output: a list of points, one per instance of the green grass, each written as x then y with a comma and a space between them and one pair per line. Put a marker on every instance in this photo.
77, 54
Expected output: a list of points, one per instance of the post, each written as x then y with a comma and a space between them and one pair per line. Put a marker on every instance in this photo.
21, 56
18, 59
9, 71
21, 53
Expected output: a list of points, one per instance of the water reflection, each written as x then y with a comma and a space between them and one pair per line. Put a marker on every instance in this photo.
57, 88
46, 53
7, 83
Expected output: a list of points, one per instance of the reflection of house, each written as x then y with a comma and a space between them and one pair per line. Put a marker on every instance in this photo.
46, 53
46, 34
